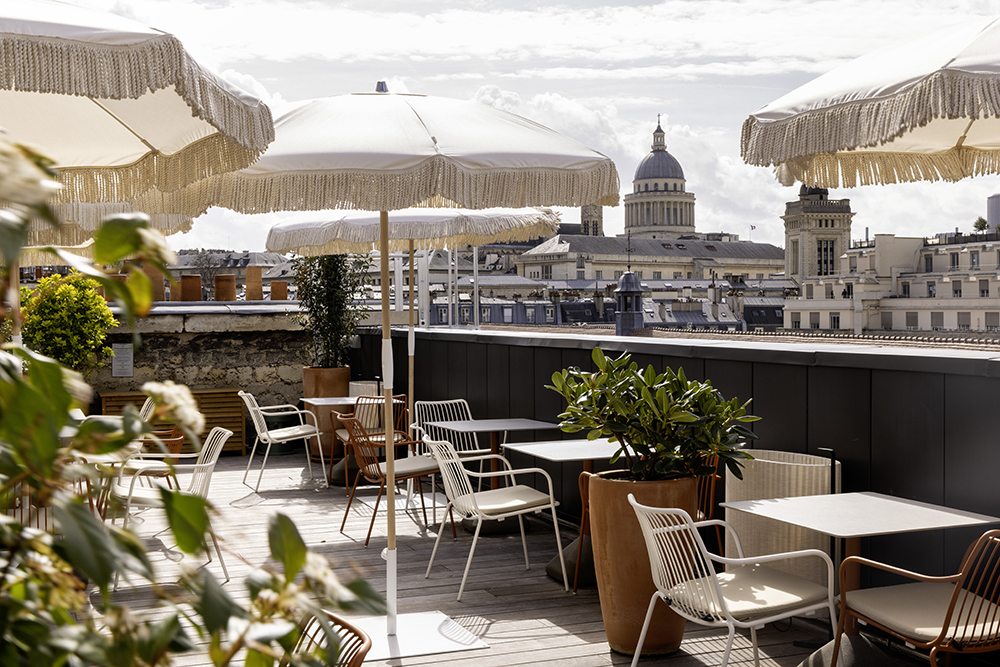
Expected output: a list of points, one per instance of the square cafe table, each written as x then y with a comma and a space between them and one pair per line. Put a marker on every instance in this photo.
851, 516
494, 427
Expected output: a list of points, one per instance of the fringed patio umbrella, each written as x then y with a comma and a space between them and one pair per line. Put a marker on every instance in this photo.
924, 110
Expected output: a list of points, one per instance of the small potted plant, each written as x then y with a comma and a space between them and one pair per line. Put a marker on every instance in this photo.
670, 429
327, 287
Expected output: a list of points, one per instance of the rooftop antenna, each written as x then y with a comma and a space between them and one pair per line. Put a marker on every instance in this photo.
628, 252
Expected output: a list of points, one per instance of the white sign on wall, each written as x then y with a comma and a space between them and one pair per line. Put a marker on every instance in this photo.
121, 365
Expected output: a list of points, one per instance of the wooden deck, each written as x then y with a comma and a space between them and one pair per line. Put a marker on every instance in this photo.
524, 616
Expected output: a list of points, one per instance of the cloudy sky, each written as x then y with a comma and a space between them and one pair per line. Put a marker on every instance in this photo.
597, 71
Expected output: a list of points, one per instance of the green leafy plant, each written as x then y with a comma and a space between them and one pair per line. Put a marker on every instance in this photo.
327, 287
67, 319
48, 578
667, 425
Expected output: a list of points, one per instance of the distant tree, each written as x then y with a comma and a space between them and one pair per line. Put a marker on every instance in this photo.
207, 264
980, 225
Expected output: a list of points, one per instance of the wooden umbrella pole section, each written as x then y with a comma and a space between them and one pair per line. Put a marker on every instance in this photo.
390, 463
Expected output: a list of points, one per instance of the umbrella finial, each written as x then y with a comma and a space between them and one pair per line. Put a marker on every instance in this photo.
380, 87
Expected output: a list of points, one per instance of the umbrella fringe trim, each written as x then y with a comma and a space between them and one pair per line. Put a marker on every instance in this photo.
210, 156
47, 65
338, 237
869, 123
849, 170
380, 191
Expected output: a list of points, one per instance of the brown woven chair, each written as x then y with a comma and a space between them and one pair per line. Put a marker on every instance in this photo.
352, 647
367, 452
954, 614
369, 410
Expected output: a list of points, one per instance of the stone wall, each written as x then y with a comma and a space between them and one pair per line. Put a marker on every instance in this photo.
260, 350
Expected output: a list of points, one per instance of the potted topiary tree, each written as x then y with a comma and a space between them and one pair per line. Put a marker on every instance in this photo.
327, 287
669, 429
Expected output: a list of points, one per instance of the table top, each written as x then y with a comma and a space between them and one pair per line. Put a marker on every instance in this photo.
851, 515
489, 425
330, 400
567, 450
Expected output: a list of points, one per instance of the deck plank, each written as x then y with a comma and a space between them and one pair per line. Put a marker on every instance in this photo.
525, 616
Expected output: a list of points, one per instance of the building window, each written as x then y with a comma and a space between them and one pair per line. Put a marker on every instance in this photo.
993, 321
911, 321
796, 320
580, 275
974, 260
809, 291
657, 275
956, 289
484, 314
529, 315
937, 321
599, 275
849, 288
442, 314
546, 272
638, 274
508, 314
984, 288
905, 289
678, 275
825, 258
931, 289
814, 320
464, 314
579, 263
760, 276
954, 261
852, 262
618, 274
550, 314
834, 320
887, 320
964, 321
928, 263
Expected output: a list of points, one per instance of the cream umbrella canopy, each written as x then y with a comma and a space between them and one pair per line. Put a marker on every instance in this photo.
924, 110
119, 107
384, 152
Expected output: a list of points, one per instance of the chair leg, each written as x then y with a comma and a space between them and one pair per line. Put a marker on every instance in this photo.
524, 541
839, 634
381, 487
350, 500
645, 628
472, 551
253, 451
322, 462
222, 561
438, 541
729, 645
559, 550
262, 466
753, 642
423, 504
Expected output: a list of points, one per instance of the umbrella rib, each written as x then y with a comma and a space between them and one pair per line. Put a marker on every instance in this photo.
125, 125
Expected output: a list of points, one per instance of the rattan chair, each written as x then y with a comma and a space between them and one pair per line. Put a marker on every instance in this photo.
747, 595
367, 452
370, 411
352, 642
493, 504
954, 614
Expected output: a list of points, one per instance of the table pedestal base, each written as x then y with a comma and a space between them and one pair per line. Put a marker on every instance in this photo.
588, 578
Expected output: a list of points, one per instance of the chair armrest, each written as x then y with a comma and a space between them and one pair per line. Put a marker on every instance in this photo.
729, 529
786, 555
909, 574
291, 410
512, 473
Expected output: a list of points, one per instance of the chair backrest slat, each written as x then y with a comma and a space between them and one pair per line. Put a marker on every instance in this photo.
679, 562
457, 486
256, 416
201, 477
439, 411
365, 451
351, 643
974, 614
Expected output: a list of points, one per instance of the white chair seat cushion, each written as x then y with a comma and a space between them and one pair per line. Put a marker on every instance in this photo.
509, 499
412, 465
292, 432
917, 610
142, 496
752, 591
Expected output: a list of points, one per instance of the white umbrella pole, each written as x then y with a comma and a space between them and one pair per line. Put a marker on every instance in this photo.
390, 463
411, 344
475, 284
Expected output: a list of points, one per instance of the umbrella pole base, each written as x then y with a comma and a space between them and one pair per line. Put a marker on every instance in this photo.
425, 633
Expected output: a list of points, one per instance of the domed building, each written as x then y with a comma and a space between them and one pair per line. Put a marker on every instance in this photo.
659, 206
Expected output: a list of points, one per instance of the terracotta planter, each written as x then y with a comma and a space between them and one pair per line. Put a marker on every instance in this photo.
624, 580
325, 382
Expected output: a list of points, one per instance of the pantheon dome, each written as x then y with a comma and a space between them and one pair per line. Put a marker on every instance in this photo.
659, 206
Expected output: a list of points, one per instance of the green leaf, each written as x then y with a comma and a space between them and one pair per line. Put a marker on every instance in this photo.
86, 543
119, 237
286, 545
258, 659
188, 518
215, 605
367, 599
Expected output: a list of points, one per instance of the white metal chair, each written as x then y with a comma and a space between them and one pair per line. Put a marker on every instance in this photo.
301, 431
466, 444
127, 492
747, 595
493, 504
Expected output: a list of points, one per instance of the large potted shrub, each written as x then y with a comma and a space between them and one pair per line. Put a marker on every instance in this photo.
327, 286
669, 428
